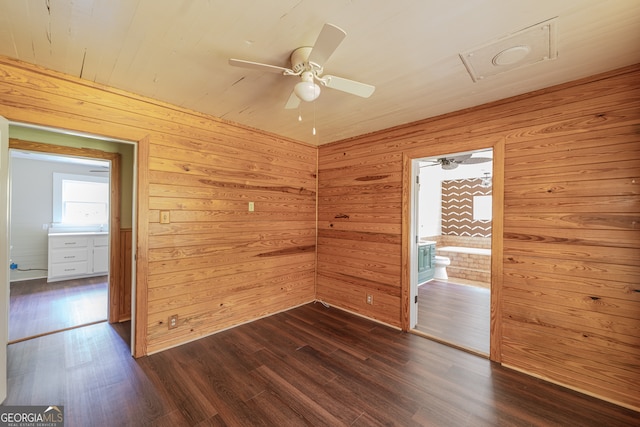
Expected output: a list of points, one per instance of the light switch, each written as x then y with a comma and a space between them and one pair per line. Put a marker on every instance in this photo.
165, 217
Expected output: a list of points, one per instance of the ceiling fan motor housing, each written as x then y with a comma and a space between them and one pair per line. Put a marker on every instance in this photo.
300, 59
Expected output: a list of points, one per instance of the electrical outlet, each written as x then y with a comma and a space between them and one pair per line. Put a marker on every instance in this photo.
252, 206
369, 299
173, 321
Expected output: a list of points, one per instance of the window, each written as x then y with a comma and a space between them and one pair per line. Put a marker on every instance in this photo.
482, 208
80, 199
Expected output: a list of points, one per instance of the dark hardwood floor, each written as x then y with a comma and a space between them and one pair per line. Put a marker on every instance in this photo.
310, 366
455, 313
37, 307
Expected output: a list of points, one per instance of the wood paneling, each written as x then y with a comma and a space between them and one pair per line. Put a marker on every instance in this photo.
124, 277
565, 300
215, 264
570, 177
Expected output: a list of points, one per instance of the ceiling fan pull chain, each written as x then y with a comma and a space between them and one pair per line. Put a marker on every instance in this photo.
314, 117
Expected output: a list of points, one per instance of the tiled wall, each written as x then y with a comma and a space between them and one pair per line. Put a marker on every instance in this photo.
457, 208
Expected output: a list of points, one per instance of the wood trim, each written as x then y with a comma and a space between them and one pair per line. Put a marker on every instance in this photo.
122, 297
405, 288
114, 236
497, 144
497, 242
142, 251
114, 214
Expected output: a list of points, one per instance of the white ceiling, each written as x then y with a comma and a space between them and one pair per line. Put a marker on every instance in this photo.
178, 51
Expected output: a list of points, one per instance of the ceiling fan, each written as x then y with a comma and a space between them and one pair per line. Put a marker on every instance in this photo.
452, 162
307, 64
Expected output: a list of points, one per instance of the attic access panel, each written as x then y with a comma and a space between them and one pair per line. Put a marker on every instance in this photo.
525, 47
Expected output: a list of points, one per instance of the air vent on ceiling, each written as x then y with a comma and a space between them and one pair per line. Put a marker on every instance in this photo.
525, 47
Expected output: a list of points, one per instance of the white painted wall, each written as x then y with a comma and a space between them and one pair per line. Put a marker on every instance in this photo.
31, 212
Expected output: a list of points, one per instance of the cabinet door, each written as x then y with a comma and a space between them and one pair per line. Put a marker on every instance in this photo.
422, 258
101, 259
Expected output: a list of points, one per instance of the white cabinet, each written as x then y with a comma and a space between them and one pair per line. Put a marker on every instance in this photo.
101, 255
74, 255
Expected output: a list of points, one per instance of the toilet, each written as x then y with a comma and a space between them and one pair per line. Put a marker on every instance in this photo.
441, 267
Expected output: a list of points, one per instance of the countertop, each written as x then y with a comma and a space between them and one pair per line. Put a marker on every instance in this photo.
81, 233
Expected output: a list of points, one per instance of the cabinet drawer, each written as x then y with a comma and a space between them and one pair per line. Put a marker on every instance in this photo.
101, 241
69, 255
69, 242
68, 269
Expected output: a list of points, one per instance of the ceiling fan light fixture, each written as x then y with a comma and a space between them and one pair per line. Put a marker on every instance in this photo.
307, 91
449, 165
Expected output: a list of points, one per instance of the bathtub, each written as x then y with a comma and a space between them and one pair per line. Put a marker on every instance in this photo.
472, 264
465, 250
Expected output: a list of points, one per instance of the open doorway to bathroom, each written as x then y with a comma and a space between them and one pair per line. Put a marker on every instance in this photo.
453, 223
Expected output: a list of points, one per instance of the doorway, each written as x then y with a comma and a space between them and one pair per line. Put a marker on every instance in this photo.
453, 223
59, 243
414, 237
112, 268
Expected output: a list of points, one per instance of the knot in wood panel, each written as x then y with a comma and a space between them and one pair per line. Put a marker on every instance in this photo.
341, 215
372, 177
288, 251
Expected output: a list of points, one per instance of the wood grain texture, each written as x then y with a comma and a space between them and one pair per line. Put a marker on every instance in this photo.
124, 280
440, 308
565, 271
226, 265
309, 366
39, 308
204, 171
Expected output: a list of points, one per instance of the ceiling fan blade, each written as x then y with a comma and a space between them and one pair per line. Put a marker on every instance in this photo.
329, 39
459, 157
293, 102
258, 66
350, 86
475, 160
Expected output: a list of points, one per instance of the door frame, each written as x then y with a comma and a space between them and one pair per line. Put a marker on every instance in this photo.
4, 254
114, 206
409, 231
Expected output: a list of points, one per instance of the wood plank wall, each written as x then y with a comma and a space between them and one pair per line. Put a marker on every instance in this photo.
214, 265
123, 291
570, 296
